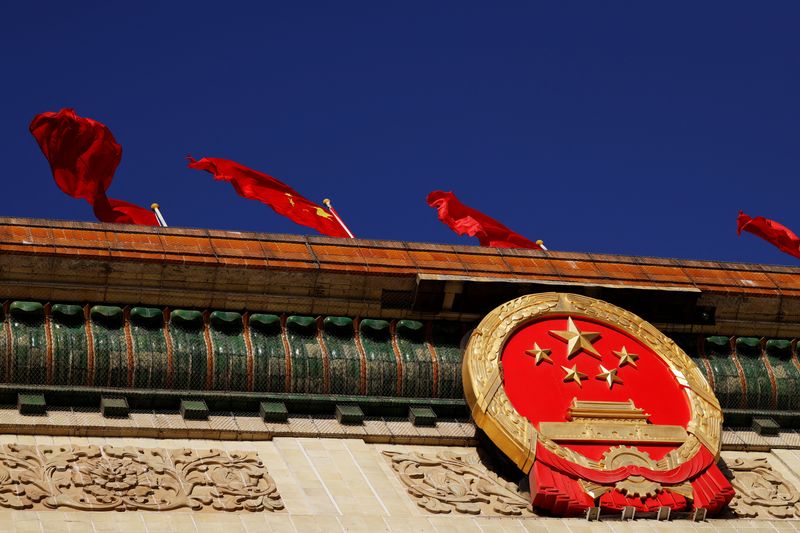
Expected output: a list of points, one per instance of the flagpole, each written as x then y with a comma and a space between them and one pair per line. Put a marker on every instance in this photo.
327, 202
540, 242
159, 216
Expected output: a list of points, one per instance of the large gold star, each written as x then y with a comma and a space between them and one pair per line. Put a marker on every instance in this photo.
539, 354
577, 340
574, 375
626, 358
609, 376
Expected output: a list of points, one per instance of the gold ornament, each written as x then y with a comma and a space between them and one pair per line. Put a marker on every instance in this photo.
516, 436
626, 358
633, 486
574, 375
539, 354
609, 376
577, 340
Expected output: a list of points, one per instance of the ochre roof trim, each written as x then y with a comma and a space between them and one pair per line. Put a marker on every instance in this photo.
112, 242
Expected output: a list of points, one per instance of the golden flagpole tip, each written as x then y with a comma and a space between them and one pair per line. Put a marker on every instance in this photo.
540, 242
154, 206
327, 201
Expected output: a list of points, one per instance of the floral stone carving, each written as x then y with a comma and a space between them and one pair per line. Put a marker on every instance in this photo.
447, 482
761, 491
93, 478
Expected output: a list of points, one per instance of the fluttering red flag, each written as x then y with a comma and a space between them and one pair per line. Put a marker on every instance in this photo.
122, 212
82, 152
83, 157
465, 220
773, 232
280, 197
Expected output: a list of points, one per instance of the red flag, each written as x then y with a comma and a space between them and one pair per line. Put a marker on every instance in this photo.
83, 157
467, 221
771, 231
122, 212
82, 152
280, 197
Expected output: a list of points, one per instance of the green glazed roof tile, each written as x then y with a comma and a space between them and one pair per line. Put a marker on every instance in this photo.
301, 323
749, 346
225, 320
410, 329
382, 364
446, 339
67, 314
759, 392
147, 315
66, 310
26, 309
778, 345
110, 367
718, 340
302, 360
416, 357
307, 369
106, 313
785, 373
266, 323
189, 350
186, 318
750, 342
148, 342
338, 324
374, 328
269, 353
230, 357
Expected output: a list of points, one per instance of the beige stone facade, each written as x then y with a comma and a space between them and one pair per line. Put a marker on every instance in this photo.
334, 484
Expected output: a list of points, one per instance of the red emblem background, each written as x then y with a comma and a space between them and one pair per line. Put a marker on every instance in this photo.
539, 393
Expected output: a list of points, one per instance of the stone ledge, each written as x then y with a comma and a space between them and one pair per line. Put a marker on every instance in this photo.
232, 426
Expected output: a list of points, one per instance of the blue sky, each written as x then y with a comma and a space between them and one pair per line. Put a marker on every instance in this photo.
611, 127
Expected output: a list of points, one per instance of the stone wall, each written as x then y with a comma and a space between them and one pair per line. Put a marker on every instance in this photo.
315, 484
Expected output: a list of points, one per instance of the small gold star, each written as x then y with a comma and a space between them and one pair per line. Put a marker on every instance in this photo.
539, 354
289, 197
609, 376
574, 375
626, 358
577, 340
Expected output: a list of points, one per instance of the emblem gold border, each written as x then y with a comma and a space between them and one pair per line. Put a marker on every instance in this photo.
516, 436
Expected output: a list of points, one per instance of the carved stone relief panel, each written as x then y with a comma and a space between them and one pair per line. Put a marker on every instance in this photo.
452, 482
94, 478
761, 491
458, 482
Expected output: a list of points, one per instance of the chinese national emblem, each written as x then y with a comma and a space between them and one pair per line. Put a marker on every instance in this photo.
596, 405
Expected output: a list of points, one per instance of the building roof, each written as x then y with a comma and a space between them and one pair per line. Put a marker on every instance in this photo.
49, 260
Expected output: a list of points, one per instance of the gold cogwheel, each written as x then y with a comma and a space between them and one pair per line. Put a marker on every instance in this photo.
638, 487
633, 486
